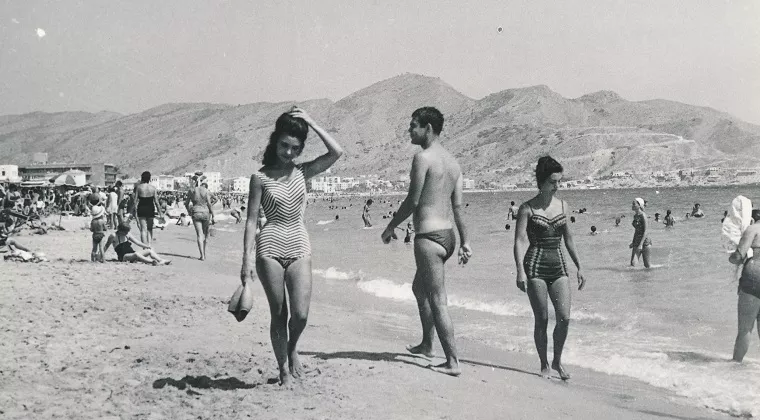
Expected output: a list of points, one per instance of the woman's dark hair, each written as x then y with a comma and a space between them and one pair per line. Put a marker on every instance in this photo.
123, 227
145, 177
545, 168
286, 125
756, 215
369, 202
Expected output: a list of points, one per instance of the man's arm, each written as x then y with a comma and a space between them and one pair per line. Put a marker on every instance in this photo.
465, 252
417, 182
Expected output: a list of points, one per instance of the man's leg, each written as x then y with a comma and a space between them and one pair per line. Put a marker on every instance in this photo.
430, 259
426, 317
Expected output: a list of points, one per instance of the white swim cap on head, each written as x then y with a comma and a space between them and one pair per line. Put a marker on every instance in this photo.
640, 201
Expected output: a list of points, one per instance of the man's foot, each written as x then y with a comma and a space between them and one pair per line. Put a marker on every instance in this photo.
294, 365
447, 369
421, 349
561, 370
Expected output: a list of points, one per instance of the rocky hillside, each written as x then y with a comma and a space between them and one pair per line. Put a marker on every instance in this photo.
496, 138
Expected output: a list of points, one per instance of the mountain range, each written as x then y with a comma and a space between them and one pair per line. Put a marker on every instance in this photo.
496, 138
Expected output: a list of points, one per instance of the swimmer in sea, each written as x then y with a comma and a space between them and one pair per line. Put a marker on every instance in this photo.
512, 213
593, 231
435, 193
697, 211
641, 244
670, 221
657, 217
366, 217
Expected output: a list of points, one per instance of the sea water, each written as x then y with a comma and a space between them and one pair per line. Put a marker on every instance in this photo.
672, 326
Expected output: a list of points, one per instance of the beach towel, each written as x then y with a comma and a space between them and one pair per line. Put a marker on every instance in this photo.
736, 222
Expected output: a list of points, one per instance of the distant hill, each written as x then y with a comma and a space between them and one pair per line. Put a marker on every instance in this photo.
497, 138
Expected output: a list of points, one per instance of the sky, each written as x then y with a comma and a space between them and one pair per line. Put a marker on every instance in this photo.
130, 55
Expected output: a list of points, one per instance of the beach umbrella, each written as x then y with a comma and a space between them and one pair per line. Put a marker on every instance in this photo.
69, 179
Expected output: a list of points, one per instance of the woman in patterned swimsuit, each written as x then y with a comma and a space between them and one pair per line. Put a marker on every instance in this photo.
283, 252
541, 226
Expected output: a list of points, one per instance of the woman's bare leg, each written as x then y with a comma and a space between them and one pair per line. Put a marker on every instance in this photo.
272, 277
298, 282
537, 294
748, 310
200, 237
559, 292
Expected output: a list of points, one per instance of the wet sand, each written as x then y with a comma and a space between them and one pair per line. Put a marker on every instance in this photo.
132, 341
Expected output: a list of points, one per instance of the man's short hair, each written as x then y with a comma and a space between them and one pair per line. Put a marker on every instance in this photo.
429, 115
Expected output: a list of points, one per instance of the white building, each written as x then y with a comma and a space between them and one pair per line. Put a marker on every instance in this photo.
468, 184
9, 173
240, 184
214, 180
326, 184
162, 182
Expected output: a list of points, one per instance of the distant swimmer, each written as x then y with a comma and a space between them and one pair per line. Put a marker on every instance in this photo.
366, 217
697, 211
617, 221
541, 267
409, 230
435, 192
641, 244
512, 212
593, 231
657, 217
670, 221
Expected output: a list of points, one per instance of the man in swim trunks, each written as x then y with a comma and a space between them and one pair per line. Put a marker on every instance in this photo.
435, 191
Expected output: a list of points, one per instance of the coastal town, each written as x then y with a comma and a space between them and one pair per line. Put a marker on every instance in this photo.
41, 173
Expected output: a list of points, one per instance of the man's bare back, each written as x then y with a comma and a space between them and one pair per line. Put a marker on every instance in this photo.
441, 175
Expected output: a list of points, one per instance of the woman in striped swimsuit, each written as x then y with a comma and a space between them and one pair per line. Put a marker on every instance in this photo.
283, 252
541, 226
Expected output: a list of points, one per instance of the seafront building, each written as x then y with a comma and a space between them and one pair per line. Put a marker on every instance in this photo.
96, 174
9, 173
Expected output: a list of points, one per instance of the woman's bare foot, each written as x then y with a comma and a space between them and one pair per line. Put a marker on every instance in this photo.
561, 370
294, 365
446, 368
546, 373
420, 349
285, 378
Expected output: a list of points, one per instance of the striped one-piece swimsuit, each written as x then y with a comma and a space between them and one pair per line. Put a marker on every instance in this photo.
544, 259
284, 235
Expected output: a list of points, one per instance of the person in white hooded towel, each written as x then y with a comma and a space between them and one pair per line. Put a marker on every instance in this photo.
739, 222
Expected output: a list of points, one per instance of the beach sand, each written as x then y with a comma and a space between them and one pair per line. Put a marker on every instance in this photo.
83, 340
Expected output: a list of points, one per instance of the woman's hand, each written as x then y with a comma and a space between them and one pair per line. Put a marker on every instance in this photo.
581, 280
521, 279
300, 113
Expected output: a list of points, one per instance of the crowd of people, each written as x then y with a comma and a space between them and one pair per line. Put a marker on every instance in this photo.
277, 249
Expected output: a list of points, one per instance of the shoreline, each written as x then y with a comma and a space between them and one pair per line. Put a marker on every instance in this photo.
160, 345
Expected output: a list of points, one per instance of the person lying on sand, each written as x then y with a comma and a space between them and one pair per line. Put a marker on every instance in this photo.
122, 243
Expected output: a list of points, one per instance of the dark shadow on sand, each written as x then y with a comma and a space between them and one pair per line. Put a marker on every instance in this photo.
373, 357
203, 382
399, 357
670, 416
180, 256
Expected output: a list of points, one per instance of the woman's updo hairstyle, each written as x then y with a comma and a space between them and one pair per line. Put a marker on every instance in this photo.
286, 125
545, 168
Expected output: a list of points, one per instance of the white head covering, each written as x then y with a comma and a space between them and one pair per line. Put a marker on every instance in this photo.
738, 219
640, 201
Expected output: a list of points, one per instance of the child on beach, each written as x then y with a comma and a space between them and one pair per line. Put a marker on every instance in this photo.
98, 228
183, 220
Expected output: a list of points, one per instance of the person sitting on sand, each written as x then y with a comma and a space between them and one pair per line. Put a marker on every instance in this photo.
99, 228
669, 220
281, 252
7, 229
435, 193
641, 244
122, 243
183, 220
541, 269
697, 211
366, 217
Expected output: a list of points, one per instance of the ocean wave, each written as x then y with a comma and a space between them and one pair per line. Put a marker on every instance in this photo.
388, 289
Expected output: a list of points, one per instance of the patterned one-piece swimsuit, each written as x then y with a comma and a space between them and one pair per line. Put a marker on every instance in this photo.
544, 259
283, 237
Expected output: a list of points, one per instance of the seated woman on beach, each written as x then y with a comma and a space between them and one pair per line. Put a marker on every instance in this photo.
7, 229
541, 269
749, 282
641, 244
122, 243
282, 250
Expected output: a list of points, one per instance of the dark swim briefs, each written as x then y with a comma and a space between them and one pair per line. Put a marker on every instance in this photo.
750, 279
98, 236
445, 238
